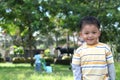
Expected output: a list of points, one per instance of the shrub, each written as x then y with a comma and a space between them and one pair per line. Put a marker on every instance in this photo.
49, 59
2, 59
18, 60
47, 52
18, 50
29, 60
0, 55
65, 60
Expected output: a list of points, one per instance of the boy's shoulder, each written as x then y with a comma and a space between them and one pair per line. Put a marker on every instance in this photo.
103, 45
83, 46
100, 44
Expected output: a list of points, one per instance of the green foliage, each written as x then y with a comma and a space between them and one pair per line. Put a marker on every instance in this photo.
18, 50
41, 46
24, 32
10, 28
47, 52
24, 17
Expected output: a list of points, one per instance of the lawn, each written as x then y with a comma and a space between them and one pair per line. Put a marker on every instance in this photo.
117, 67
9, 71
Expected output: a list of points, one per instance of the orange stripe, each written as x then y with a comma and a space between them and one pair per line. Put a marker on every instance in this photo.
78, 55
76, 62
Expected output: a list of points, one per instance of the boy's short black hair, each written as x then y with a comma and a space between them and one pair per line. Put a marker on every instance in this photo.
89, 20
37, 52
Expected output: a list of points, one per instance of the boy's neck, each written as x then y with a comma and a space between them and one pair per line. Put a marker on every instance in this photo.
92, 45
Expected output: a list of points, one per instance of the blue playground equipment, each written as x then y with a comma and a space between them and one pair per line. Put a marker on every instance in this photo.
43, 64
48, 69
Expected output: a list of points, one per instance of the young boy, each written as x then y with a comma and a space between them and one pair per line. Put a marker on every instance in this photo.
37, 58
93, 60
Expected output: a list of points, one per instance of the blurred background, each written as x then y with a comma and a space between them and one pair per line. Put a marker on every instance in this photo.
27, 26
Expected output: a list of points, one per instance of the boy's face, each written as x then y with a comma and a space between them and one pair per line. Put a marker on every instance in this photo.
90, 33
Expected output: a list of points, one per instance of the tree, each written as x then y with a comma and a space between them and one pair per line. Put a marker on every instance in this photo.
24, 15
55, 16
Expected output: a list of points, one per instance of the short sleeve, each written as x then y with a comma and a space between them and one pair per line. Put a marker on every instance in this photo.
76, 57
109, 55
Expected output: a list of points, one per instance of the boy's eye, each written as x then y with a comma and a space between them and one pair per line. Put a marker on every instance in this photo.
93, 32
86, 33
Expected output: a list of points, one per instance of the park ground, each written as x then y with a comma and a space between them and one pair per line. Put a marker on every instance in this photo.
9, 71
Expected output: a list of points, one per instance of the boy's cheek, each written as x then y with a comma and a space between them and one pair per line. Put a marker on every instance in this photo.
84, 36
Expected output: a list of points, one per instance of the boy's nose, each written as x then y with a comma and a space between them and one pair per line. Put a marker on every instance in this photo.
90, 35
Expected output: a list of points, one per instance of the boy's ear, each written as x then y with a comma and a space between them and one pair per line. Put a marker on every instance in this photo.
80, 34
99, 33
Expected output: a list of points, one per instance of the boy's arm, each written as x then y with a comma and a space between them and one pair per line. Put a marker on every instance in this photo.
76, 66
110, 63
111, 71
76, 72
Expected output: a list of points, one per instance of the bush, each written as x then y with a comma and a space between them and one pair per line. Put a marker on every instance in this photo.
2, 59
65, 60
29, 60
18, 50
49, 59
47, 52
0, 55
18, 60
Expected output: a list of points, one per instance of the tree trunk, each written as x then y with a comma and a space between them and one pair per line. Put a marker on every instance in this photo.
68, 45
30, 46
56, 37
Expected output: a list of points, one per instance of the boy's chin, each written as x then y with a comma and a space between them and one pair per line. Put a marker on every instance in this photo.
91, 43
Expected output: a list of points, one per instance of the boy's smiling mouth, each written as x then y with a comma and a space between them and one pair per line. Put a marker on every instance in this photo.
90, 39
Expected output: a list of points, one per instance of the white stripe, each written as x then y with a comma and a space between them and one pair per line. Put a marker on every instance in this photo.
94, 65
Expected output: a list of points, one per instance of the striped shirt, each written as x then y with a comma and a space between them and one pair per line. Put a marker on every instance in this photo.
93, 61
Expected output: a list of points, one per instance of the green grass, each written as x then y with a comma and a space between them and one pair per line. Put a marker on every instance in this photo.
117, 67
9, 71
